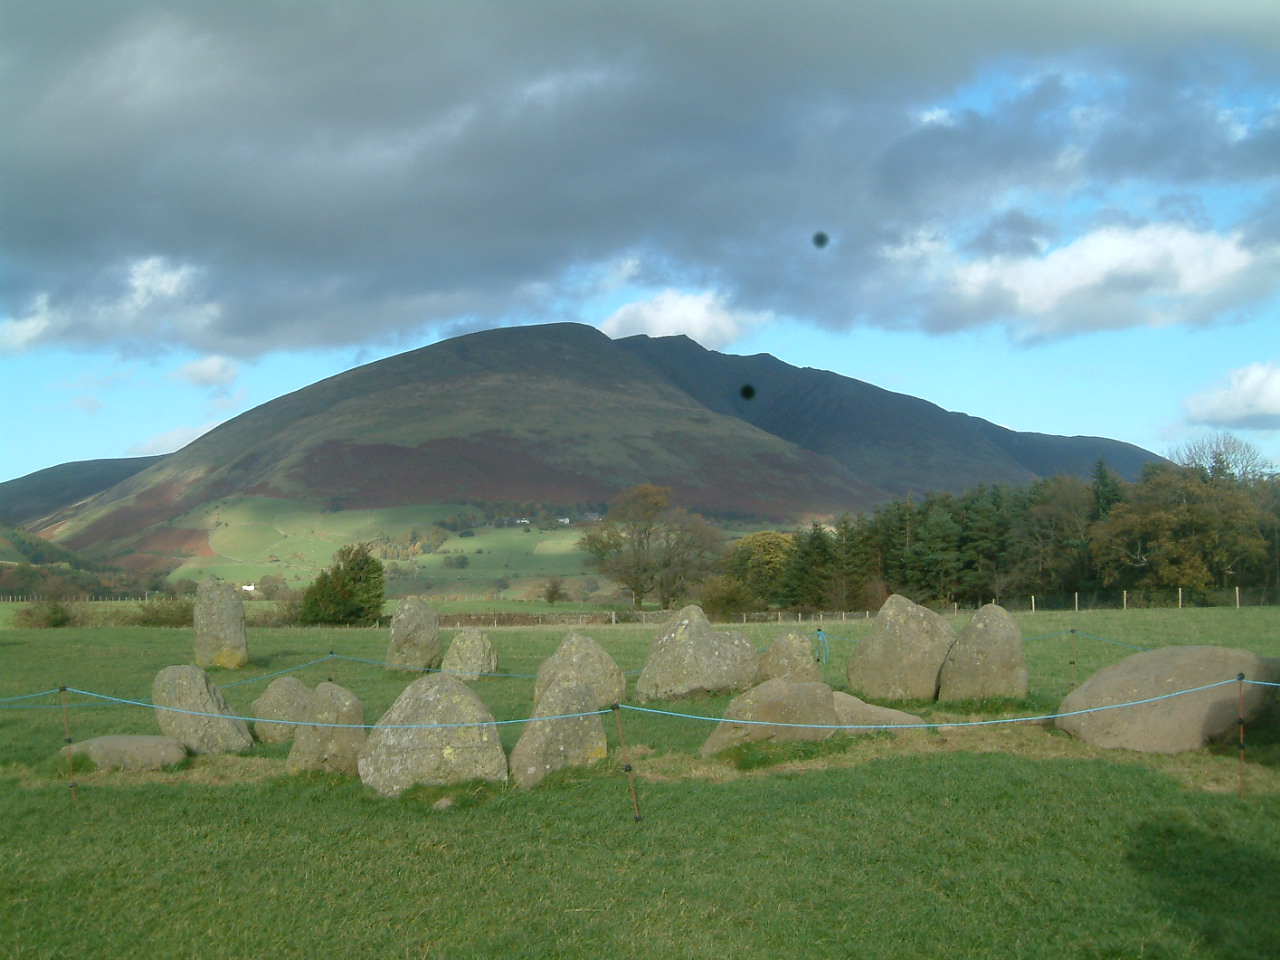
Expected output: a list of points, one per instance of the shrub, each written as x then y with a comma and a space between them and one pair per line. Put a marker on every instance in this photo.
43, 614
166, 612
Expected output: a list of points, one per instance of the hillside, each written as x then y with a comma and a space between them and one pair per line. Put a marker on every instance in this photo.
28, 498
561, 414
898, 443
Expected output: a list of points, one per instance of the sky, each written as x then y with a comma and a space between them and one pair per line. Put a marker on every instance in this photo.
1063, 218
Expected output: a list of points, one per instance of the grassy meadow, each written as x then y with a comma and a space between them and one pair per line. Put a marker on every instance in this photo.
997, 841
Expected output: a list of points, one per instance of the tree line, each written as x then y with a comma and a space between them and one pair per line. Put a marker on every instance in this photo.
1209, 519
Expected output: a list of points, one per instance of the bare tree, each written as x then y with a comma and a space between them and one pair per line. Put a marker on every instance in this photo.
1223, 455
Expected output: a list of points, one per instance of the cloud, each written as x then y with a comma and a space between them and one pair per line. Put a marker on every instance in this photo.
1112, 277
186, 176
213, 371
703, 317
87, 403
169, 441
141, 304
1248, 400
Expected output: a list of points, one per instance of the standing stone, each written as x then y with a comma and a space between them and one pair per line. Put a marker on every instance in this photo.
986, 660
862, 718
901, 657
790, 657
777, 701
335, 747
219, 623
437, 732
285, 699
470, 656
689, 659
582, 657
415, 636
191, 710
1175, 723
547, 745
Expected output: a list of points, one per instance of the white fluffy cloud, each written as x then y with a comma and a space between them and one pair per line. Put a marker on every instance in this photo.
1109, 278
704, 317
215, 372
1249, 400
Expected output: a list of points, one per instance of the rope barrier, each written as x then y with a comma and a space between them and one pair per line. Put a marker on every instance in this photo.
1040, 718
278, 673
347, 726
954, 723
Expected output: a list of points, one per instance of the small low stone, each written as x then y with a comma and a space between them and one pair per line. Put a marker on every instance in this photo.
129, 751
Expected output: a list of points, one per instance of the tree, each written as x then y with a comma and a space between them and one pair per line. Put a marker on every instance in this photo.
553, 590
758, 564
649, 546
1180, 528
348, 592
1224, 456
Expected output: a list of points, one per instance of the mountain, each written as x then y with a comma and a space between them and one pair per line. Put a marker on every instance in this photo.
898, 443
28, 498
562, 414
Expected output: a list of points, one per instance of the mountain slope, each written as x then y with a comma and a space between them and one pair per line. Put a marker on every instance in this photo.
561, 414
37, 494
899, 443
554, 414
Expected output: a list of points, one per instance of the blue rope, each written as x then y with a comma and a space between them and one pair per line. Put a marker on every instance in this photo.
1118, 643
905, 726
30, 696
309, 723
456, 673
278, 673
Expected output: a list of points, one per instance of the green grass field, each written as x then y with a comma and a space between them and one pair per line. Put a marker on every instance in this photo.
1009, 841
256, 537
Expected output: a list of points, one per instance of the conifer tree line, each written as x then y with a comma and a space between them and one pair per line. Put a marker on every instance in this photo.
1206, 521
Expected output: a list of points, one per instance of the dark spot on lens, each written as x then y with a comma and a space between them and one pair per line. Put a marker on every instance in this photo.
747, 391
820, 239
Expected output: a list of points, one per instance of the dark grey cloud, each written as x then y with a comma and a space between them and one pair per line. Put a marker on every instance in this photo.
241, 176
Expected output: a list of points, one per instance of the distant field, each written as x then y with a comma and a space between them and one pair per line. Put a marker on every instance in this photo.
1007, 841
256, 537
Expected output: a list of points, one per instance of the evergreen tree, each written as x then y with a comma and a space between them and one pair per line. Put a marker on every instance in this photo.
351, 591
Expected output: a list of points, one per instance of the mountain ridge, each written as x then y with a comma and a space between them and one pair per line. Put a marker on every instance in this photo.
561, 413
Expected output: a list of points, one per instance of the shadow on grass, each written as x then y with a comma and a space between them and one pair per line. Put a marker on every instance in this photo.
1224, 891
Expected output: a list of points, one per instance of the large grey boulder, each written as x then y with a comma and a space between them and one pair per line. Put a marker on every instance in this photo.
219, 625
334, 736
470, 656
859, 717
790, 657
437, 732
805, 707
193, 711
566, 730
986, 660
582, 657
129, 752
415, 636
902, 654
1175, 723
285, 702
689, 659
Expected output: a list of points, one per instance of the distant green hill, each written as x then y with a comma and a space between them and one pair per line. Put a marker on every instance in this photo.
19, 546
31, 497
